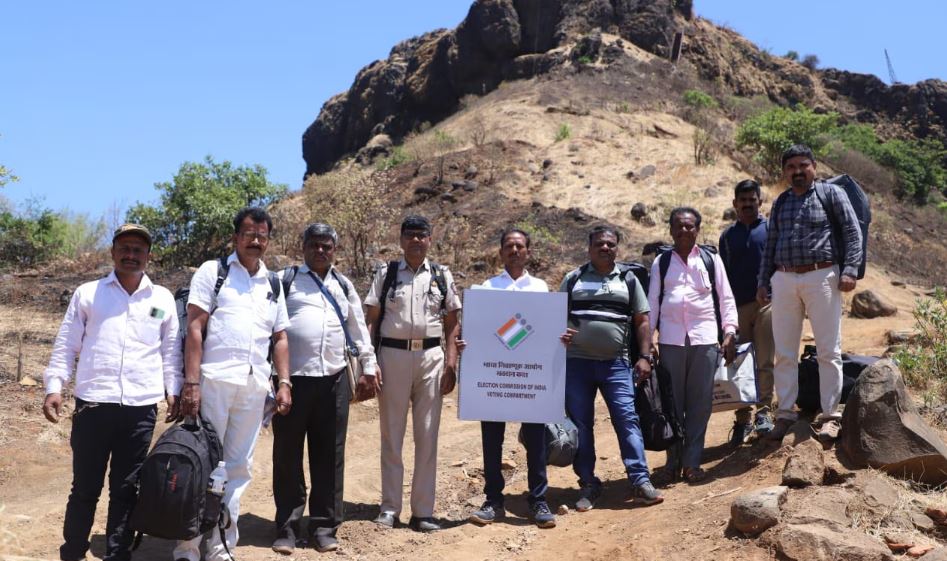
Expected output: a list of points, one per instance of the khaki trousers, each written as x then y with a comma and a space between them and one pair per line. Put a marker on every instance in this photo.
409, 378
756, 326
815, 294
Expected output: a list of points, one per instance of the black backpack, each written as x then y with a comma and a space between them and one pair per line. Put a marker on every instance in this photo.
631, 273
859, 201
654, 403
809, 398
437, 278
174, 501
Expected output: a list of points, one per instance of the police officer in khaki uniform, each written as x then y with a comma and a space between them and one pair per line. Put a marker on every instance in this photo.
412, 369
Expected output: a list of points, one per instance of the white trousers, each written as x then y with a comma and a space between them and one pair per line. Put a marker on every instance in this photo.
236, 413
817, 295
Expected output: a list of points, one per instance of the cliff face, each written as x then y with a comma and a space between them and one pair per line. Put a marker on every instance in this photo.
424, 78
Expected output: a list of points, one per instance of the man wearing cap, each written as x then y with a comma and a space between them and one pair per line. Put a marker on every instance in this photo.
227, 375
411, 304
320, 392
125, 332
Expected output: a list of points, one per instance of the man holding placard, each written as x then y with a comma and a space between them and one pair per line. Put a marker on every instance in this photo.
514, 253
609, 307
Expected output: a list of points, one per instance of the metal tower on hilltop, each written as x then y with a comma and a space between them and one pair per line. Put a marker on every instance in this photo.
894, 79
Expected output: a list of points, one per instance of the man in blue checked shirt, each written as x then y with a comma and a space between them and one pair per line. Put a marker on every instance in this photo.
808, 268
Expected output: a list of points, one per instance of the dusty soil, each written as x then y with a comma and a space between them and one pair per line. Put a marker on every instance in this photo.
35, 474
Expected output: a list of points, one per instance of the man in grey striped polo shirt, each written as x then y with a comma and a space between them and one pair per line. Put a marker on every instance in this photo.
612, 324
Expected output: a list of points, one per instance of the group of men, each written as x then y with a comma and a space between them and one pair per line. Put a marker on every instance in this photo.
251, 332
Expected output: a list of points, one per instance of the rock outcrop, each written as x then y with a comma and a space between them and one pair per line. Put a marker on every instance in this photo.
881, 428
424, 78
866, 304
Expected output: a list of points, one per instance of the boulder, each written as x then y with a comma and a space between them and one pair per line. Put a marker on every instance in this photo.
588, 48
813, 542
754, 512
647, 171
867, 305
881, 428
806, 465
639, 211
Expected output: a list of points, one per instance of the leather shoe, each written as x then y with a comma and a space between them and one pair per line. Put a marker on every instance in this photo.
285, 543
423, 524
326, 543
386, 519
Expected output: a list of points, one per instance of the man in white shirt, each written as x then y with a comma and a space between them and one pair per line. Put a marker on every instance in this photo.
227, 375
514, 253
320, 392
125, 331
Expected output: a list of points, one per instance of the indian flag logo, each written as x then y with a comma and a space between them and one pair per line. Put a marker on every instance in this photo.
514, 331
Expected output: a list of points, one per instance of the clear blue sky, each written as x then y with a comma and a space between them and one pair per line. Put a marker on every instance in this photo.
100, 100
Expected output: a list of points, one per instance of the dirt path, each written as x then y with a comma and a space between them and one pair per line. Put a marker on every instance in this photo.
35, 475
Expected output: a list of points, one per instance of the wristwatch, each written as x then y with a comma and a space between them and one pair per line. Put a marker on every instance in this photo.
647, 357
286, 382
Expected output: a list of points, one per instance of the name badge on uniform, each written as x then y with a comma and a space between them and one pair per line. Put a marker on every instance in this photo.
156, 313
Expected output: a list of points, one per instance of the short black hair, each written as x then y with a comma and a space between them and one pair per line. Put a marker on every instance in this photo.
416, 222
256, 214
602, 229
685, 210
746, 186
511, 231
797, 150
320, 230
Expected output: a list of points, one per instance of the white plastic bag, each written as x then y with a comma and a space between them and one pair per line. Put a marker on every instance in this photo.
735, 386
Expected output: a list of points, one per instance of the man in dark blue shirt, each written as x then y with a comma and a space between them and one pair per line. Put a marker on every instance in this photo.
741, 249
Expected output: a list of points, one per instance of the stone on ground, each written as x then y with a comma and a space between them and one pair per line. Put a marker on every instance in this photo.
754, 512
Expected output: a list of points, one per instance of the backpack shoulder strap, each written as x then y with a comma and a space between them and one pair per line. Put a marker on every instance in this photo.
631, 279
391, 273
289, 275
664, 263
570, 285
777, 206
275, 284
341, 280
223, 269
438, 278
708, 258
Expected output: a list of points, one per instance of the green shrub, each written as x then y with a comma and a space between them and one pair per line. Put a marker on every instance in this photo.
563, 132
924, 363
771, 133
810, 61
584, 59
699, 100
792, 55
397, 157
194, 220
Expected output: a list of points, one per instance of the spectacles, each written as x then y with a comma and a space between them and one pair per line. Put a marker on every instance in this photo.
250, 236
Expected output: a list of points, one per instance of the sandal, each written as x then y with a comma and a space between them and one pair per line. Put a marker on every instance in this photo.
694, 475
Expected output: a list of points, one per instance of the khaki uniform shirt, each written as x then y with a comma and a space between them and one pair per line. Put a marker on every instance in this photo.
413, 308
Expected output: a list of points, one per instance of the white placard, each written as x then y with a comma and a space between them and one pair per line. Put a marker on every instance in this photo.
514, 366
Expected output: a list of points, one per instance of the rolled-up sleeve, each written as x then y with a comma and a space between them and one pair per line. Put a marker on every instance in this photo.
66, 347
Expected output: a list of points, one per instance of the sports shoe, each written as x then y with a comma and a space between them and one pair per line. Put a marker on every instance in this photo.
780, 429
829, 430
487, 514
740, 433
646, 494
588, 494
763, 423
542, 516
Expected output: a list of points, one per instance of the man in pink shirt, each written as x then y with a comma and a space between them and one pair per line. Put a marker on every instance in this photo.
691, 319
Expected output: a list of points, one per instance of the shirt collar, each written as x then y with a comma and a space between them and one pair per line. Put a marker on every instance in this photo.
404, 265
304, 269
261, 272
143, 285
524, 278
615, 270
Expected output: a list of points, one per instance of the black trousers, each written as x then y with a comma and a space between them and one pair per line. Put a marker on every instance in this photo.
320, 415
534, 435
101, 431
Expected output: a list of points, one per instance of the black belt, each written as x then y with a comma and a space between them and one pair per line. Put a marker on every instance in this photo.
411, 344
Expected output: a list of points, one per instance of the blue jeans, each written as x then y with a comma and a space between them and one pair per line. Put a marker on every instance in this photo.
613, 378
534, 435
